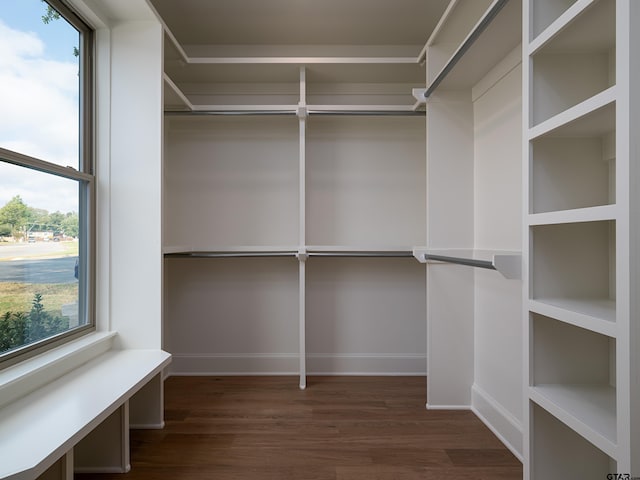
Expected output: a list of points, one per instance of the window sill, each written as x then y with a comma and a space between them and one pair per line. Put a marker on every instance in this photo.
25, 377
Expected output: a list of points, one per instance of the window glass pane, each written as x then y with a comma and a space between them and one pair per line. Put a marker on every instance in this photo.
39, 246
39, 74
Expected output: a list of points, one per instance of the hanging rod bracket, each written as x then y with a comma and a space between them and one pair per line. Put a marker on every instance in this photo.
302, 112
302, 254
420, 254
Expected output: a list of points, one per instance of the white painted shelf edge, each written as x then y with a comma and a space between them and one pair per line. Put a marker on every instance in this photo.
291, 109
598, 315
578, 215
574, 113
590, 410
274, 61
506, 262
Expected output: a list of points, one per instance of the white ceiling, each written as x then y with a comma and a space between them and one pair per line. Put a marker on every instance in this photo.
301, 22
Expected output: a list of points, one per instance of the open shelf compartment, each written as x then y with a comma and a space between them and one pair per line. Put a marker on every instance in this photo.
574, 378
573, 267
560, 453
574, 165
576, 64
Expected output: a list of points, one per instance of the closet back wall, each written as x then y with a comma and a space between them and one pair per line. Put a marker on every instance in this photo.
233, 182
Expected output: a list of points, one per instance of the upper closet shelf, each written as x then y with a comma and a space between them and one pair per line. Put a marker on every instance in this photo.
343, 79
508, 263
494, 36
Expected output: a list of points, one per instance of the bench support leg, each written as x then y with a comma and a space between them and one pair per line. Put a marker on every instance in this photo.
146, 407
106, 448
61, 470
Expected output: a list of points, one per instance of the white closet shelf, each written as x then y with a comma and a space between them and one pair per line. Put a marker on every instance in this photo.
237, 251
586, 25
302, 60
454, 25
589, 214
595, 314
496, 34
350, 251
508, 263
590, 118
590, 410
334, 70
368, 110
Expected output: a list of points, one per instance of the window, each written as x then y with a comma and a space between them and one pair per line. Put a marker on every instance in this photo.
46, 177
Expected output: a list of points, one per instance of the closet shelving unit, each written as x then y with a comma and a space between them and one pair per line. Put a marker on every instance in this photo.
579, 420
473, 210
348, 205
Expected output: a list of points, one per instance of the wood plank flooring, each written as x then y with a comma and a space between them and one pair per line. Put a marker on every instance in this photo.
339, 428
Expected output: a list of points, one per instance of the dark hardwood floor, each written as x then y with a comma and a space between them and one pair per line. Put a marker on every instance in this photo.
339, 428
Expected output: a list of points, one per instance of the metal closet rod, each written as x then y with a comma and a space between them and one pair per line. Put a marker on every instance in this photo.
470, 262
376, 113
229, 254
284, 254
360, 254
469, 41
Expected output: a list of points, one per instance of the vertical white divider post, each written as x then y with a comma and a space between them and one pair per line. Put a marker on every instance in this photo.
302, 253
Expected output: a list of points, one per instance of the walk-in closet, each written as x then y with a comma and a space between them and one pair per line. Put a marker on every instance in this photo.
450, 198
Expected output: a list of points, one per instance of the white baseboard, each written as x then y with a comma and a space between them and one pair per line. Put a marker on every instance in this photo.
126, 469
498, 419
234, 364
289, 364
366, 364
146, 426
448, 407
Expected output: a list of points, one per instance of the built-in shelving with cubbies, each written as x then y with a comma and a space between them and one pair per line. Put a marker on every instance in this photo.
578, 317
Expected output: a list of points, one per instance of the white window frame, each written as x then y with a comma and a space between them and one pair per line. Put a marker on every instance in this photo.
85, 176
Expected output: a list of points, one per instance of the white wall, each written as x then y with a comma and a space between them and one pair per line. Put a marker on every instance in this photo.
232, 315
231, 181
497, 390
135, 183
366, 315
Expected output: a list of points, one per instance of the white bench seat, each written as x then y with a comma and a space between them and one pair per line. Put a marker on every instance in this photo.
41, 428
